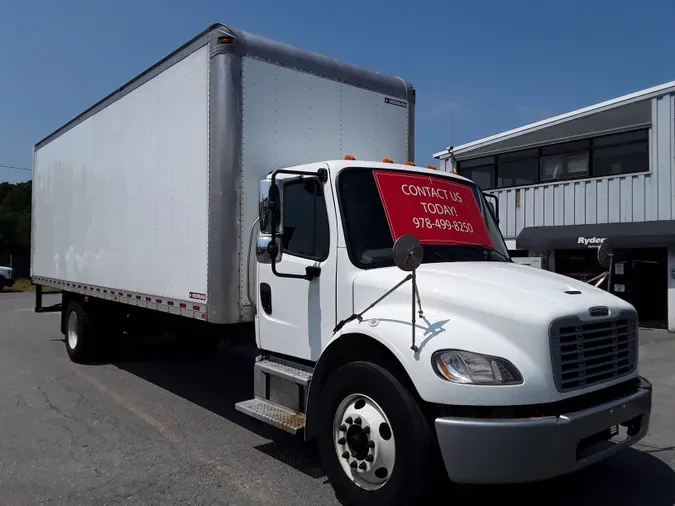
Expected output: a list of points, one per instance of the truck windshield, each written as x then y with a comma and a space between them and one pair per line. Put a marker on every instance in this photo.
450, 217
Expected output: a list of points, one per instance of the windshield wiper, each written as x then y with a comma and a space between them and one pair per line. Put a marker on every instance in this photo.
493, 250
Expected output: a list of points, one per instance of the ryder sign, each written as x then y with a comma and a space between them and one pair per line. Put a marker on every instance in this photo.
435, 210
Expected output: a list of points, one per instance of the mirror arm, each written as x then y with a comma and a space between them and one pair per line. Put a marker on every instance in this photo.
359, 316
311, 272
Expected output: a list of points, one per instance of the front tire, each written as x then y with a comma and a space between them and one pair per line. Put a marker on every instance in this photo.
375, 443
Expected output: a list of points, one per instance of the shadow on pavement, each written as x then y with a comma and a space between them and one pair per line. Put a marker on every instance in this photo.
225, 377
215, 382
630, 478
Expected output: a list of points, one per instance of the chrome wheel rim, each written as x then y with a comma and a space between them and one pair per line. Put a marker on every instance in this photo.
72, 330
364, 442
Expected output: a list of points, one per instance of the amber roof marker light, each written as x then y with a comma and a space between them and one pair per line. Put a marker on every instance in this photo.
349, 157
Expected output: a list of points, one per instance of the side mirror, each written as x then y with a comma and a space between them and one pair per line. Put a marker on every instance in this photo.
493, 202
493, 209
408, 253
270, 207
271, 219
605, 254
266, 249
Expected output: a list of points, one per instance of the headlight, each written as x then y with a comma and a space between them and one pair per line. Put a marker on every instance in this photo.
472, 368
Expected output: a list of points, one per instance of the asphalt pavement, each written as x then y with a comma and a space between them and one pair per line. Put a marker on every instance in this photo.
155, 427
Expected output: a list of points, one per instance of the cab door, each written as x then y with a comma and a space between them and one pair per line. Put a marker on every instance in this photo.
296, 316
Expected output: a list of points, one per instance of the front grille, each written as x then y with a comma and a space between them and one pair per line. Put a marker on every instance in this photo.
585, 354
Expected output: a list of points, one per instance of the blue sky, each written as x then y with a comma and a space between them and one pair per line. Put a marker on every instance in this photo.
493, 65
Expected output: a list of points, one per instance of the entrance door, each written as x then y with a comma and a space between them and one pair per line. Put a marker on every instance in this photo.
642, 275
295, 314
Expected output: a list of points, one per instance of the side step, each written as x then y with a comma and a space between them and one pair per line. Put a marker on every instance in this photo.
272, 414
284, 371
280, 390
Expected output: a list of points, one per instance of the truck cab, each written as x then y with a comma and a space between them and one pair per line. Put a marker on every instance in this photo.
396, 329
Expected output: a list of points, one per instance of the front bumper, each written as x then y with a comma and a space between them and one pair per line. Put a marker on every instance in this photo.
529, 449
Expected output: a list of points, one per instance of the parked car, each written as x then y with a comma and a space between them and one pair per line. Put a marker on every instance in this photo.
6, 279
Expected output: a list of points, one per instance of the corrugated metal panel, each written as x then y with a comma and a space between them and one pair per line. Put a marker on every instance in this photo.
626, 198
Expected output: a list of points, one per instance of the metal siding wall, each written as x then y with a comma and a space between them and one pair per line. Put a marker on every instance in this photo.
663, 160
640, 197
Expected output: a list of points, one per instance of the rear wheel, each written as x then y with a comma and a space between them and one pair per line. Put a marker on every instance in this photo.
79, 338
374, 441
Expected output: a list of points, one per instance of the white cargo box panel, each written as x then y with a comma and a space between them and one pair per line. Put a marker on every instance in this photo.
151, 194
121, 199
293, 118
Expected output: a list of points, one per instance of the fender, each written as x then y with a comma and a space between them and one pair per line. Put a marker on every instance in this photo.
354, 342
386, 337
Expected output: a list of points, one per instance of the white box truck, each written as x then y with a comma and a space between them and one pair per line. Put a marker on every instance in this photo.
219, 195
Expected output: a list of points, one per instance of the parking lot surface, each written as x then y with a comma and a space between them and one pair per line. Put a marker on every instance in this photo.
155, 427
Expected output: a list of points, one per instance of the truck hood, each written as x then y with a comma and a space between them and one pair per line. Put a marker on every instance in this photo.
494, 308
514, 291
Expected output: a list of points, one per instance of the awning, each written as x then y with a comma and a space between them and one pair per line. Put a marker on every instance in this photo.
639, 234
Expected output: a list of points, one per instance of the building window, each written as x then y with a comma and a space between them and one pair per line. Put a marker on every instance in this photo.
480, 170
607, 155
570, 166
518, 169
621, 153
568, 160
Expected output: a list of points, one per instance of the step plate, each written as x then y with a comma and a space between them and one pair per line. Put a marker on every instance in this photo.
285, 371
272, 414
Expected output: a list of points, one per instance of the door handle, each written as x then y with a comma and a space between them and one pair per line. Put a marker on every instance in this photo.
266, 297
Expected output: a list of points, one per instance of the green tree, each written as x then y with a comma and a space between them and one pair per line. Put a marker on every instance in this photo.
15, 208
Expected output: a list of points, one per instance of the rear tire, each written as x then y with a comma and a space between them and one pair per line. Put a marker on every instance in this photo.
391, 461
78, 333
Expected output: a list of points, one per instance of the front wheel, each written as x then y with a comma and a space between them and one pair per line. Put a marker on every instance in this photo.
375, 444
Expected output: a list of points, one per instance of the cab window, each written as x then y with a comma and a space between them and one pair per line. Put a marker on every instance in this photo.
306, 229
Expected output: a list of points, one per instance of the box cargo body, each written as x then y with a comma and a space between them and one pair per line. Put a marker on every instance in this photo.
149, 196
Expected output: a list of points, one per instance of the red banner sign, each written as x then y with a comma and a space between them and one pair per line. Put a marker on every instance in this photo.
435, 210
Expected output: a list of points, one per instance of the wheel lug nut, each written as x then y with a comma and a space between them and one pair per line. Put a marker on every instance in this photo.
358, 420
369, 458
343, 428
366, 430
342, 441
345, 455
353, 464
362, 466
349, 420
371, 444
